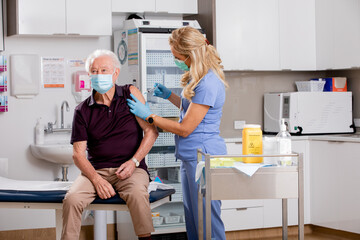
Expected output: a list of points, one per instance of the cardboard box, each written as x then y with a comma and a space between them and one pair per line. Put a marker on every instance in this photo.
334, 84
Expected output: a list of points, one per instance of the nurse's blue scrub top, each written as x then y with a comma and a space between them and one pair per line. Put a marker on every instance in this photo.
211, 92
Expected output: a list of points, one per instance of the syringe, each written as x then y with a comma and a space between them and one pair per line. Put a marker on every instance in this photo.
151, 89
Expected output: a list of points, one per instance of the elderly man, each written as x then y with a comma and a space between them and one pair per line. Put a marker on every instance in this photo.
116, 145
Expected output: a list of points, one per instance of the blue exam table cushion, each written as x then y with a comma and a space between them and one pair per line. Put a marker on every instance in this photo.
56, 196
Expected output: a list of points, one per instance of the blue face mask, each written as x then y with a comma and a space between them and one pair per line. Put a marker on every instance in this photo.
101, 82
182, 65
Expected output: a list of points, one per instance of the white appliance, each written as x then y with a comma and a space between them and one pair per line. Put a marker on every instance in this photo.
145, 56
309, 112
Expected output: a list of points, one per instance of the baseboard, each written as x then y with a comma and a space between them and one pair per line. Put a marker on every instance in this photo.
87, 232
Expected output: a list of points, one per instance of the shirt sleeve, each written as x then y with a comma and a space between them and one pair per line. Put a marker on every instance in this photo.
78, 132
206, 92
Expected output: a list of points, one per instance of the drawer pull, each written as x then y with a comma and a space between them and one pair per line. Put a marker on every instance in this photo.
241, 209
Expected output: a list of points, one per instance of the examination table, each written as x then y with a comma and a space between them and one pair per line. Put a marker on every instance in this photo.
49, 195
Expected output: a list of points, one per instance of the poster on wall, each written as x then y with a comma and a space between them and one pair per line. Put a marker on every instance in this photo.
53, 72
133, 51
3, 103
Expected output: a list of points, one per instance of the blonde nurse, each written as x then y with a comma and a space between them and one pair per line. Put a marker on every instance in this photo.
200, 104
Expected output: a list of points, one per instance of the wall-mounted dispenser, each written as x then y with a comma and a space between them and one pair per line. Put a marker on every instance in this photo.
24, 75
3, 63
81, 86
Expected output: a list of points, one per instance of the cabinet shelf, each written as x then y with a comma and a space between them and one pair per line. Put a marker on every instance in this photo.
170, 228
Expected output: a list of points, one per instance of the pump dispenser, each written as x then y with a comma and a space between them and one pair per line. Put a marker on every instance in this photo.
39, 132
284, 144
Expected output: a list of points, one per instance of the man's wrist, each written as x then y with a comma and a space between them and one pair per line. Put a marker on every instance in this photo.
137, 163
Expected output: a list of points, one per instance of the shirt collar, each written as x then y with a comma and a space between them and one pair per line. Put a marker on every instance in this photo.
118, 93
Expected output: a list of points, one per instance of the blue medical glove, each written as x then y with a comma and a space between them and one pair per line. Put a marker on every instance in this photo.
161, 91
138, 108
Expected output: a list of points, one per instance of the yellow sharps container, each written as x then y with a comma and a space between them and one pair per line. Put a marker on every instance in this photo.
252, 143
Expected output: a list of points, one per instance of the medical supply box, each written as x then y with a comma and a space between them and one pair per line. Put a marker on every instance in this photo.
333, 84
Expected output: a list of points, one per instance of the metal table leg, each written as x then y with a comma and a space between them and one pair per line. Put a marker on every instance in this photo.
207, 197
301, 197
284, 219
200, 212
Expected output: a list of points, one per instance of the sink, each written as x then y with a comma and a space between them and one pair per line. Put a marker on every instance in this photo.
56, 153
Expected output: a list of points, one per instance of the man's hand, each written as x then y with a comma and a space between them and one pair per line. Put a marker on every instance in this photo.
125, 170
103, 188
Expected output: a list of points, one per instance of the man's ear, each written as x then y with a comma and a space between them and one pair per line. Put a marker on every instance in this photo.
116, 74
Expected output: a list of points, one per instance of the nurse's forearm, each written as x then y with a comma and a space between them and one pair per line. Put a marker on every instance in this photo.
175, 99
170, 126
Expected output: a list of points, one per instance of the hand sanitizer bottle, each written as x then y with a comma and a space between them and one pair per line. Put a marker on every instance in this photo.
284, 144
39, 132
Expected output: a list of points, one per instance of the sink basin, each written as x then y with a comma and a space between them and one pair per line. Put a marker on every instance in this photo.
56, 153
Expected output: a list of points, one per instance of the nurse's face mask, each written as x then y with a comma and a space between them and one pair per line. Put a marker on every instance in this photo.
102, 79
181, 64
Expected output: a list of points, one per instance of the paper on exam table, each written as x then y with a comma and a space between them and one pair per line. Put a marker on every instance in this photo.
153, 186
25, 185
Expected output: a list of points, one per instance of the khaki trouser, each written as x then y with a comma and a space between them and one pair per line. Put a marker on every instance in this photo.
134, 191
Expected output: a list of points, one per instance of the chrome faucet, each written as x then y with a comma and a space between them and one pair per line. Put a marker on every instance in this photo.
62, 112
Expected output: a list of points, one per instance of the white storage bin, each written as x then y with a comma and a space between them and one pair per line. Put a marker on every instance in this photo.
310, 86
157, 221
165, 139
153, 173
155, 160
174, 174
173, 80
172, 218
170, 160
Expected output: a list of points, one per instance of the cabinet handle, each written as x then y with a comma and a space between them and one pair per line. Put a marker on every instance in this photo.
335, 141
286, 69
241, 209
74, 34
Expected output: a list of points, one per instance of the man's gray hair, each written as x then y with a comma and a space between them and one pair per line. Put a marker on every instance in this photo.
99, 53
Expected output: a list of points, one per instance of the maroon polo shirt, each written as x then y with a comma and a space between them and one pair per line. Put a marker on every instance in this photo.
112, 133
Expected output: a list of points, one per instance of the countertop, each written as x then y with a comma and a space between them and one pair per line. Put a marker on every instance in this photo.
324, 137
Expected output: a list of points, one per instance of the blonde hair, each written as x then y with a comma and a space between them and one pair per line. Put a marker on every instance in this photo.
189, 42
